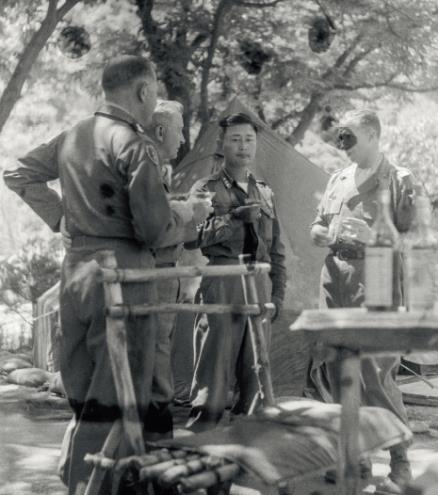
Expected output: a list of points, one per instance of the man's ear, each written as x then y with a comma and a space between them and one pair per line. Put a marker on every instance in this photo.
159, 133
142, 91
220, 142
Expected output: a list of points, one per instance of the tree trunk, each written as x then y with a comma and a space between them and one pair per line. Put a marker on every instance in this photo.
218, 21
12, 92
307, 116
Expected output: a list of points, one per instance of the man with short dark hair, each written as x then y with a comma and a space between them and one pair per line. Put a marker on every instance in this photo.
112, 199
244, 222
345, 215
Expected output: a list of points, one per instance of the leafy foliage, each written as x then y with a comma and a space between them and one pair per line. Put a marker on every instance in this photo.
208, 51
26, 275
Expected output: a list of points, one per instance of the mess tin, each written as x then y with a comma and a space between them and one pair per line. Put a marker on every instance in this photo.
350, 229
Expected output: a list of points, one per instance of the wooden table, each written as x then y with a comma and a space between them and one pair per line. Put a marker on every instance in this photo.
354, 333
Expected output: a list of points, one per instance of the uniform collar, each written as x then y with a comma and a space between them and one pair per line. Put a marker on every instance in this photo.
117, 112
230, 181
378, 177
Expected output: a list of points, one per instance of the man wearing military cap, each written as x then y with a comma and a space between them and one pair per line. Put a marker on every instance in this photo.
112, 199
244, 222
349, 205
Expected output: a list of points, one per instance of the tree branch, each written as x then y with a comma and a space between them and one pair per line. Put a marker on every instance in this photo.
307, 116
222, 9
347, 52
349, 87
12, 92
67, 6
283, 119
412, 89
243, 3
354, 61
146, 7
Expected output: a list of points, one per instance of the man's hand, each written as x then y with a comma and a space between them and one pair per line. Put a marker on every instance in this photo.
278, 303
320, 236
249, 213
201, 211
183, 209
192, 209
65, 236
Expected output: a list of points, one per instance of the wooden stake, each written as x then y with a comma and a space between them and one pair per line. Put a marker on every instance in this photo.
118, 351
348, 459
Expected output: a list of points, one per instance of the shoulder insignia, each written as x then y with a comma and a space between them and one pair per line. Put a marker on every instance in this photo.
226, 181
139, 129
152, 154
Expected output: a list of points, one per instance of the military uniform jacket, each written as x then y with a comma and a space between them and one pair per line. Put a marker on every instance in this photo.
223, 236
344, 198
110, 179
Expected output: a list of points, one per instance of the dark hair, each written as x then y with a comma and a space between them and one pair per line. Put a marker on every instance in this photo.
124, 70
237, 119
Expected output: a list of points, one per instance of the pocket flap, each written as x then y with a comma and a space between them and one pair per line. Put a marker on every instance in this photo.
334, 206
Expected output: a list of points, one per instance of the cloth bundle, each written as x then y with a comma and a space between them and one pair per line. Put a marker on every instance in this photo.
293, 440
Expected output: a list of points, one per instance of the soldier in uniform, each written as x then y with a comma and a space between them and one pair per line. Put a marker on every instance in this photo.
244, 222
112, 199
351, 194
166, 129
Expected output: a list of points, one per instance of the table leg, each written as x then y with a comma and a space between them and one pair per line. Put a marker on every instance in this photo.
348, 459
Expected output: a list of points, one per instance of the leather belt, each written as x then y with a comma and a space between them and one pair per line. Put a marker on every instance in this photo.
348, 253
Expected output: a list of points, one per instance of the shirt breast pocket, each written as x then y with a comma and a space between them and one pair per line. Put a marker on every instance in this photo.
333, 208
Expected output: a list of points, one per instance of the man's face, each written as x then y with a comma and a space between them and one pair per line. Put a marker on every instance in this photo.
173, 136
358, 142
239, 145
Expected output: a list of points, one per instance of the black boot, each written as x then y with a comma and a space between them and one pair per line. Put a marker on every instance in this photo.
400, 474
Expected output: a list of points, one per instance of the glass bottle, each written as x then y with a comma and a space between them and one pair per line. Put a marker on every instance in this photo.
421, 248
382, 259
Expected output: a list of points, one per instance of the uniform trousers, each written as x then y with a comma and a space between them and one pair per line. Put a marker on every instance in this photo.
224, 357
85, 366
342, 287
163, 383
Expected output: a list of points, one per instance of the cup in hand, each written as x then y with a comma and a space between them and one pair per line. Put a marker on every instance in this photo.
202, 205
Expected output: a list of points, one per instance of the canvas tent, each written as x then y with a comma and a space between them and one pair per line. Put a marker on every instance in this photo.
46, 336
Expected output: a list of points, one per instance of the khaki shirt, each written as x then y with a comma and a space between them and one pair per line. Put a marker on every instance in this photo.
223, 236
110, 179
344, 198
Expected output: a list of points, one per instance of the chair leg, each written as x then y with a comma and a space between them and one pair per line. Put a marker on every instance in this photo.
109, 447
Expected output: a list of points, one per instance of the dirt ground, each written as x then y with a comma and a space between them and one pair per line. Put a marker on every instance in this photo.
33, 423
